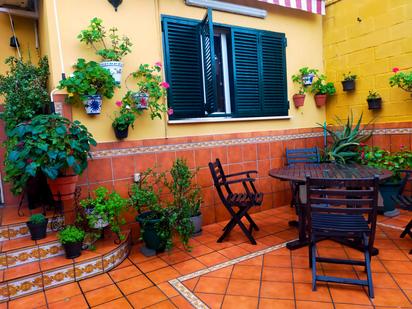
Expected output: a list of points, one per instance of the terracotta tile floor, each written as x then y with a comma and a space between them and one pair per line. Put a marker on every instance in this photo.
277, 279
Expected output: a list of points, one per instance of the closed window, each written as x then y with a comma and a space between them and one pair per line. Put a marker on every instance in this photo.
217, 70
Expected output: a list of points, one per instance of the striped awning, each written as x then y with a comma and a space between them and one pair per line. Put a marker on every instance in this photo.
312, 6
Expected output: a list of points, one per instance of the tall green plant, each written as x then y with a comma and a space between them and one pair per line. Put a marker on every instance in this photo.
24, 88
345, 140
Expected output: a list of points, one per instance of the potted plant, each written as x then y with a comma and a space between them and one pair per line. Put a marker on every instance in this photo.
123, 120
105, 209
71, 238
304, 78
158, 220
394, 162
25, 95
37, 225
348, 82
186, 195
322, 90
374, 100
112, 53
402, 80
51, 144
88, 84
151, 89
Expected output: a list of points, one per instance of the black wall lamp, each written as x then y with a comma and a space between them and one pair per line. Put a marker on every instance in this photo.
115, 3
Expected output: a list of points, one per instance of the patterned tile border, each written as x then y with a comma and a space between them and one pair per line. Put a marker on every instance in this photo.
55, 277
13, 231
196, 302
192, 298
228, 142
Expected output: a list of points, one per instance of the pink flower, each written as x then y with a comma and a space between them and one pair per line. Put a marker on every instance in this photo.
363, 155
170, 111
119, 103
401, 146
362, 144
143, 100
158, 64
29, 161
164, 85
395, 70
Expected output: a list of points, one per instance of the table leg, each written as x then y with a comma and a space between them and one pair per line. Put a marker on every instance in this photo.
301, 224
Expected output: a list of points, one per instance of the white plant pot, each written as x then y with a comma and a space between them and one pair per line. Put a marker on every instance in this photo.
93, 104
141, 99
115, 68
100, 223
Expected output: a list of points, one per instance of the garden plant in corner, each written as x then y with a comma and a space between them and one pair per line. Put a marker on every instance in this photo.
54, 145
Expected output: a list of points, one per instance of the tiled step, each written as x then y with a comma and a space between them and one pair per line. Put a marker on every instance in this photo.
20, 251
18, 230
47, 273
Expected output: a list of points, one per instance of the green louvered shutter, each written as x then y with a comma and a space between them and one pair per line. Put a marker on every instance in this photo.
209, 70
274, 84
183, 68
245, 49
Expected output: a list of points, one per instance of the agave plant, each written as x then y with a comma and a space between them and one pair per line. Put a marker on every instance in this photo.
345, 141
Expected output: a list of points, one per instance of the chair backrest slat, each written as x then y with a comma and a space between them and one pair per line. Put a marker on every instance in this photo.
302, 155
356, 195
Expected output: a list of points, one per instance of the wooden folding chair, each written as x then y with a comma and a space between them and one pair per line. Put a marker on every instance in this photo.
243, 201
349, 218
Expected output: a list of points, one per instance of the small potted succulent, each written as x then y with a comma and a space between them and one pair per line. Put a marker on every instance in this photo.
402, 80
71, 238
105, 209
348, 82
53, 145
374, 100
322, 90
186, 194
37, 225
112, 54
151, 88
304, 78
123, 120
88, 84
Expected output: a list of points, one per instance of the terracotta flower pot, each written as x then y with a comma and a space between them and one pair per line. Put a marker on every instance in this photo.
320, 99
63, 187
299, 100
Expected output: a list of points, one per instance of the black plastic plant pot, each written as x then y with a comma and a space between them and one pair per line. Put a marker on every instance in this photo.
150, 235
37, 231
73, 250
375, 103
348, 85
121, 134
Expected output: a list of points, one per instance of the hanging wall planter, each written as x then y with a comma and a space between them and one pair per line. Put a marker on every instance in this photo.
374, 100
375, 103
121, 133
141, 99
320, 99
308, 79
299, 100
115, 68
93, 104
348, 85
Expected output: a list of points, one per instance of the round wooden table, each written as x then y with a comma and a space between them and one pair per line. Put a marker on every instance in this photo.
299, 172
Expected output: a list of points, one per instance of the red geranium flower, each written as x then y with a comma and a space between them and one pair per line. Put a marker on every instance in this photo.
395, 70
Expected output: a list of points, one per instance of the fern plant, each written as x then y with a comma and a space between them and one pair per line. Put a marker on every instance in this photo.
346, 141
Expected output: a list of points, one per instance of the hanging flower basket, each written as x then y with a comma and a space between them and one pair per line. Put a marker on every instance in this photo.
298, 100
93, 104
320, 99
141, 99
308, 79
121, 134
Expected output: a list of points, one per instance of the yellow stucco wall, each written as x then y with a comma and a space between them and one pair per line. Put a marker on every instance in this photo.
140, 20
369, 47
24, 28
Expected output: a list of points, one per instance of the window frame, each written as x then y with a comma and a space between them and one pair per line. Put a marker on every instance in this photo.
230, 62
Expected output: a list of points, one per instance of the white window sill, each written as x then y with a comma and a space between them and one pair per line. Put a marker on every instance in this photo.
226, 119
